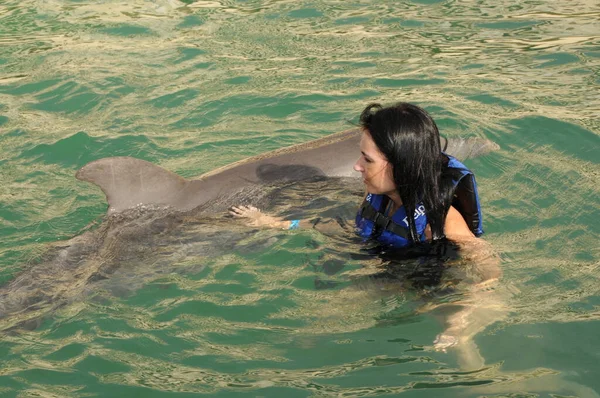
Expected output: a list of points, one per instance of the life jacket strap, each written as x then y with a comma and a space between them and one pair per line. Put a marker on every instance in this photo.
381, 221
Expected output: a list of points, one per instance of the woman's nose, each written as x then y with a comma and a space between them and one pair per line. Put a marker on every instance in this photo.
358, 167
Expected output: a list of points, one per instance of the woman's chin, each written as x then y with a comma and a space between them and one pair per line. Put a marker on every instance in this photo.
369, 188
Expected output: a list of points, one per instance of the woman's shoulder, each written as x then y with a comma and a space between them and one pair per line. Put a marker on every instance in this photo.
456, 227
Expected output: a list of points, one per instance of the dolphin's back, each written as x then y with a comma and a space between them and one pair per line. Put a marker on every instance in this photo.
128, 182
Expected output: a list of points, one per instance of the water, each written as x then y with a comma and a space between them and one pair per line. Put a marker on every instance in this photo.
192, 86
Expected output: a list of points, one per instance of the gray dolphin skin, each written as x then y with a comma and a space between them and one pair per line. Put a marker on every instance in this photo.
135, 243
129, 182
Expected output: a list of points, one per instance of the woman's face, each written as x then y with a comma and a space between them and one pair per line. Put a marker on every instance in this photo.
375, 169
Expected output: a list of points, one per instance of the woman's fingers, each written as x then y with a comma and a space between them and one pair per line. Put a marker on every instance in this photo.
243, 211
235, 211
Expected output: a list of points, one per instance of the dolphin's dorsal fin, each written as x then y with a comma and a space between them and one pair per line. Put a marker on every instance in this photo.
127, 182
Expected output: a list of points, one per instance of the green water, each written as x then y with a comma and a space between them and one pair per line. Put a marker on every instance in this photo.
195, 85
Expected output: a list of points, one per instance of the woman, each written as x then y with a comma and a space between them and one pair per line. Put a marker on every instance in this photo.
405, 172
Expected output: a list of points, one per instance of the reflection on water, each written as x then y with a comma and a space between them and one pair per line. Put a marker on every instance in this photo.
194, 85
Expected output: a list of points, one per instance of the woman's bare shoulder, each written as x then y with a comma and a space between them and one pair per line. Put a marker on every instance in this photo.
456, 227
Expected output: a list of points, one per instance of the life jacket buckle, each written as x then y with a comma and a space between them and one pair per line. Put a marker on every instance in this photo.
376, 218
387, 223
382, 221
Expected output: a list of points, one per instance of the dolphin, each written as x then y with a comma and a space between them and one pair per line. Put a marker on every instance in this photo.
153, 219
128, 182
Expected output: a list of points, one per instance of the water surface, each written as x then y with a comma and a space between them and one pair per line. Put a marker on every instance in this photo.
195, 85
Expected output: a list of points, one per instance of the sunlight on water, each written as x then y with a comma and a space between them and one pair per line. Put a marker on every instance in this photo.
200, 304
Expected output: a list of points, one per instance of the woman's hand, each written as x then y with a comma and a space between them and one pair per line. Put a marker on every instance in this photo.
256, 218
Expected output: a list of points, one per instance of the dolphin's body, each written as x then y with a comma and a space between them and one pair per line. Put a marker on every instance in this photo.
151, 234
128, 182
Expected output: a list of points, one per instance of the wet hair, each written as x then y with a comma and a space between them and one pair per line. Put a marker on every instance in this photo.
409, 139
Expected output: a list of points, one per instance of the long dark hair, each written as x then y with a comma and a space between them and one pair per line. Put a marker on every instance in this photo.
410, 140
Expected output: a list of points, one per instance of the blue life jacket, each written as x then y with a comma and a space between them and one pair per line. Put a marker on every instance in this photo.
371, 222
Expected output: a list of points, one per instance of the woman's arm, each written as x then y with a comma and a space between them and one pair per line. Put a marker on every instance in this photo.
473, 249
456, 228
256, 218
481, 306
